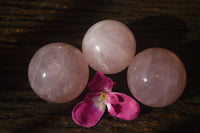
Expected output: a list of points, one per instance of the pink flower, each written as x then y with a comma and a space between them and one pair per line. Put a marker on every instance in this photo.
88, 112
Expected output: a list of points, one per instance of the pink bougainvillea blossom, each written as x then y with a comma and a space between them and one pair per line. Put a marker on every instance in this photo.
88, 112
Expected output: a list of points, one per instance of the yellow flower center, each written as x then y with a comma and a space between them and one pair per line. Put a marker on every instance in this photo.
103, 96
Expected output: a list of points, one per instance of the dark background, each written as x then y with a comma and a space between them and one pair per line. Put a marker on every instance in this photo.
27, 25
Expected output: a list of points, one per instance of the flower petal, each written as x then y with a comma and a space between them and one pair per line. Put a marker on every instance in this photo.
126, 109
112, 98
100, 83
111, 110
86, 115
90, 98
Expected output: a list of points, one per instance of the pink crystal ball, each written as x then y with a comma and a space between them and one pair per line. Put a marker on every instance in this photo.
58, 72
109, 46
156, 77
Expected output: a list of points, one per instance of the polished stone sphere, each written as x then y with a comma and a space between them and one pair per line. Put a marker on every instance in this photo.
156, 77
109, 46
58, 72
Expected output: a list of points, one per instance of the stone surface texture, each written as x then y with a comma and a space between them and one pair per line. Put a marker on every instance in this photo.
109, 46
156, 77
58, 72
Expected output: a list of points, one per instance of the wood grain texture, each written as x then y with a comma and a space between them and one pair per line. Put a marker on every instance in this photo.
25, 26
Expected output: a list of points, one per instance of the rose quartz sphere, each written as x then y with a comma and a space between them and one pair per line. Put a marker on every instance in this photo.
58, 72
109, 46
156, 77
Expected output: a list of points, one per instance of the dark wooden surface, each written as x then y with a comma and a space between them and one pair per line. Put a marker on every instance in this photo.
27, 25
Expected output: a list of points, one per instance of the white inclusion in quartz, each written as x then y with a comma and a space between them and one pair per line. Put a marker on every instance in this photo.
44, 75
97, 48
145, 80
